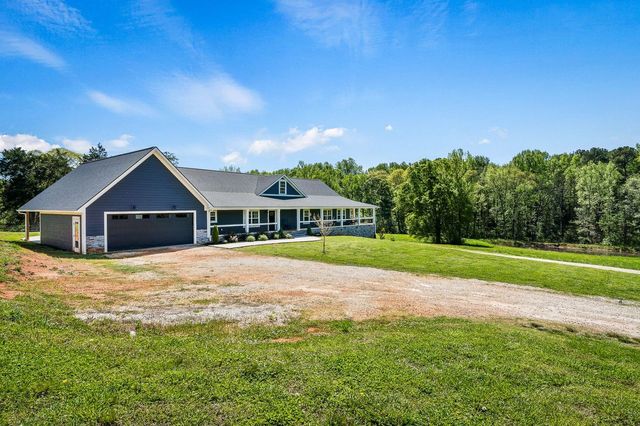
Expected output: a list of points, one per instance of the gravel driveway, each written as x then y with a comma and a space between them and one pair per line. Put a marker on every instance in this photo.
225, 284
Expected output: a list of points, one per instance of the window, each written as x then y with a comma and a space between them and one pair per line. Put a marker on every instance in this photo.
119, 217
327, 215
181, 215
339, 214
282, 187
306, 215
162, 216
254, 217
213, 214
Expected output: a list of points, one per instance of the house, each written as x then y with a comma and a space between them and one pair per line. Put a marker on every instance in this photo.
140, 199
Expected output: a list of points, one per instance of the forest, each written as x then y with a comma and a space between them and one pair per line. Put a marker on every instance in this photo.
588, 196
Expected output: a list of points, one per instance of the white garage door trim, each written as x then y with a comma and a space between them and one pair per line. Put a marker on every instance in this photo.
106, 214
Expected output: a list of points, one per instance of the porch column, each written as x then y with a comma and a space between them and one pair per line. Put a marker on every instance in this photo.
322, 216
298, 219
245, 219
359, 216
374, 216
278, 220
342, 217
26, 226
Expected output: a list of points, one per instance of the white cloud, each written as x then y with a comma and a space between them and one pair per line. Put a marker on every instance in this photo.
119, 105
233, 158
160, 16
12, 44
77, 145
432, 18
262, 145
26, 142
120, 142
388, 128
208, 98
354, 24
55, 15
500, 132
484, 141
297, 141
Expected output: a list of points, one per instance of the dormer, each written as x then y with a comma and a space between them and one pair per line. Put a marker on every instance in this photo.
280, 187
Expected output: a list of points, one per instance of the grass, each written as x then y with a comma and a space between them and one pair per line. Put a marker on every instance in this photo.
57, 369
417, 257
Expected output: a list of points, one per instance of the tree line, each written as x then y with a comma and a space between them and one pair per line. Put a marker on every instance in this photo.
588, 196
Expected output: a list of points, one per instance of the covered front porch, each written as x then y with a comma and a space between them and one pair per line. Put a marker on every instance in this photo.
245, 221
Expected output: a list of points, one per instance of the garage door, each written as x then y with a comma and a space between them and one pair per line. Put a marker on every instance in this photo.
132, 231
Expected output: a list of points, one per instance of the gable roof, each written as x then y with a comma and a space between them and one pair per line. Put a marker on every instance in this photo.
218, 189
242, 190
76, 188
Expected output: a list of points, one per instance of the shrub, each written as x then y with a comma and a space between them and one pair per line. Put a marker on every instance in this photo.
215, 235
288, 236
233, 238
309, 231
263, 237
250, 238
281, 234
275, 236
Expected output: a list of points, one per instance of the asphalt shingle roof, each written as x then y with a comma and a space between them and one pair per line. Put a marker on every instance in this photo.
230, 190
221, 189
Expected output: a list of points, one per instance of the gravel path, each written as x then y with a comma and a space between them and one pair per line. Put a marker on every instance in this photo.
559, 262
317, 290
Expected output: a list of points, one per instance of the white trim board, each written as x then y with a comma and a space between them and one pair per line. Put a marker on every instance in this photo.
277, 181
195, 221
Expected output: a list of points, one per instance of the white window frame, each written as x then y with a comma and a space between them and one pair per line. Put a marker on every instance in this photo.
306, 215
282, 190
213, 217
250, 217
327, 215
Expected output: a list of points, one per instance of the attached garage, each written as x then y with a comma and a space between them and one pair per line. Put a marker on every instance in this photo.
127, 231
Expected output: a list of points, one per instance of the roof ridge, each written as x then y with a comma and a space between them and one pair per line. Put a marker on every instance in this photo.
119, 155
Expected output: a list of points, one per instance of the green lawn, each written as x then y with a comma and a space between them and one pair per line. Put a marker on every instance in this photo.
629, 262
56, 369
413, 256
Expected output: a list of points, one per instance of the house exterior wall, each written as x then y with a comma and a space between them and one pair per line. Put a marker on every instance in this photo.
55, 231
150, 187
273, 191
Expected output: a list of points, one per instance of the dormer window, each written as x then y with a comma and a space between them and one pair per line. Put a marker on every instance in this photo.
282, 187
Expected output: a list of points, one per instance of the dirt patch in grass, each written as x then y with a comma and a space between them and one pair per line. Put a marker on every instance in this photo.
205, 283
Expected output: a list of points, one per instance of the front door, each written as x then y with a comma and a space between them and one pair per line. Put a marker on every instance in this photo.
271, 218
75, 233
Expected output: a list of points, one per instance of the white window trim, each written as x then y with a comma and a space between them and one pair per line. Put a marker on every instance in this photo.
327, 215
213, 216
250, 217
280, 188
306, 215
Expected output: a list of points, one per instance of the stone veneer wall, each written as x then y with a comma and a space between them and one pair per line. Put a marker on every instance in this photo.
95, 244
201, 236
368, 230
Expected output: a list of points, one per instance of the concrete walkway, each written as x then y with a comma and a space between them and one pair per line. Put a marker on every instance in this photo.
264, 243
558, 262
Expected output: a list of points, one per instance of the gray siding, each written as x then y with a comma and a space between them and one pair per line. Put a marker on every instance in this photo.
56, 231
150, 187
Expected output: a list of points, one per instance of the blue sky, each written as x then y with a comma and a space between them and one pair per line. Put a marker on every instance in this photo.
266, 84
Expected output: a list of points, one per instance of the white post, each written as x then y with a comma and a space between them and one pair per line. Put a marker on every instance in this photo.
374, 216
26, 226
322, 216
342, 217
245, 216
359, 216
298, 219
209, 225
278, 220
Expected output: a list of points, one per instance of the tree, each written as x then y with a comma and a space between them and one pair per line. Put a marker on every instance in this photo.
630, 212
235, 169
97, 152
171, 157
325, 230
595, 188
